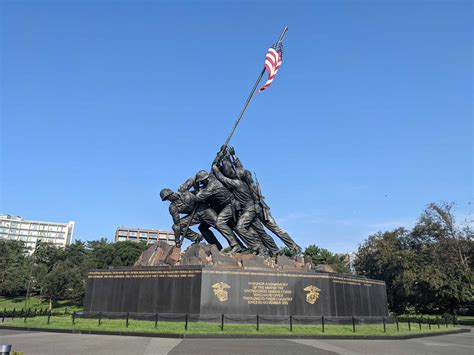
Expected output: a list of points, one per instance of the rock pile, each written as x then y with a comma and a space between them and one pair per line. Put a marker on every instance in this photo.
163, 254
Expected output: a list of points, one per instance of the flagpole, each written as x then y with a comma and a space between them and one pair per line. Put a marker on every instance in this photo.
239, 117
236, 123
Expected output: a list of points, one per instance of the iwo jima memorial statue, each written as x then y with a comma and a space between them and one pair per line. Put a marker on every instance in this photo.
252, 277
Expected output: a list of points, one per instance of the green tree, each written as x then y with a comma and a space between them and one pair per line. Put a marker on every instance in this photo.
45, 258
319, 256
48, 254
14, 267
76, 253
444, 273
428, 268
63, 281
289, 252
126, 253
385, 256
60, 272
100, 254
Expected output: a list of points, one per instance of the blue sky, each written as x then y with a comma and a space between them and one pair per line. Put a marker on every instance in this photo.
106, 102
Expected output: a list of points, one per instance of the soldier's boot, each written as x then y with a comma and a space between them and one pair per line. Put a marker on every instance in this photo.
237, 249
262, 251
194, 237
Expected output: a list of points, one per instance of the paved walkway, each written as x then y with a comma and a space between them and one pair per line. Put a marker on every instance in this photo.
57, 343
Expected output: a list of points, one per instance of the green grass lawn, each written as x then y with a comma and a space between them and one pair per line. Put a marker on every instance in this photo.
65, 322
33, 302
467, 320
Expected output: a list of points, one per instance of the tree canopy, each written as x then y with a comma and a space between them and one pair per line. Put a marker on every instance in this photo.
426, 269
320, 256
58, 273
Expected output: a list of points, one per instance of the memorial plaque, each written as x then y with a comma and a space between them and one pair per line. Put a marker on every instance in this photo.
210, 290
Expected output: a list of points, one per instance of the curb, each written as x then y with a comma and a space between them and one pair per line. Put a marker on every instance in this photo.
232, 336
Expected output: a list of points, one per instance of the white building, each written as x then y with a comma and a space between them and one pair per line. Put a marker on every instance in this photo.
150, 236
18, 228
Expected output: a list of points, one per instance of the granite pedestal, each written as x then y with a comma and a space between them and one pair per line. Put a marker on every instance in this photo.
205, 290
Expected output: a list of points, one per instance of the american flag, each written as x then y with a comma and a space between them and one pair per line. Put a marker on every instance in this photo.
273, 61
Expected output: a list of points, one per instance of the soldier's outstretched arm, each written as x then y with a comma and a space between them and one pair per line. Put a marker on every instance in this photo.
204, 193
229, 183
235, 159
187, 184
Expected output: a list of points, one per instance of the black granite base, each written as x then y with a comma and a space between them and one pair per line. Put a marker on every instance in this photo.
208, 290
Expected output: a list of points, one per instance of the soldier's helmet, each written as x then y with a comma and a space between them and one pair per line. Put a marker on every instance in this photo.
201, 175
165, 193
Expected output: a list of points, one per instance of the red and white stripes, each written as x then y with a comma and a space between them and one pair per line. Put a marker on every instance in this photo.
273, 61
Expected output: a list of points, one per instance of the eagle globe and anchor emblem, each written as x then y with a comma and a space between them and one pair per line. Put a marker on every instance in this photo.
313, 294
220, 291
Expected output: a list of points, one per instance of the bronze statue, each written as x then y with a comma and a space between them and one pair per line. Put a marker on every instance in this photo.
228, 200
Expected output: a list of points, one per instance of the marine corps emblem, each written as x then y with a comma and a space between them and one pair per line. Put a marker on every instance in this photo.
220, 291
313, 294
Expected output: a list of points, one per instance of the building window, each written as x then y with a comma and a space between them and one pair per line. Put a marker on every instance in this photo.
134, 234
123, 233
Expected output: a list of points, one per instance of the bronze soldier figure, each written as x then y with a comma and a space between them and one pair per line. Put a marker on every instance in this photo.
247, 227
264, 213
184, 203
210, 191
